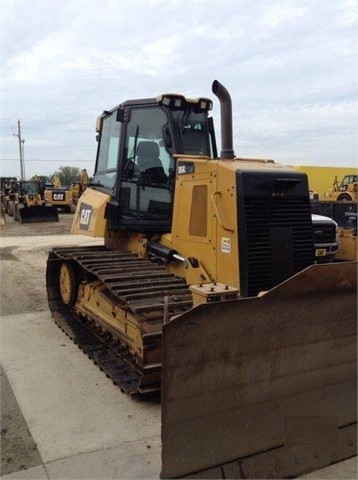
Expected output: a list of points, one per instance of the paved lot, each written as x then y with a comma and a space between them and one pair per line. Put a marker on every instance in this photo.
80, 424
63, 408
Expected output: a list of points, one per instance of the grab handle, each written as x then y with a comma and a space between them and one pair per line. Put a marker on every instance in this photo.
228, 229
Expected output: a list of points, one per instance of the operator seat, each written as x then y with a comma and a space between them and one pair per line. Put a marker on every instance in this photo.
149, 162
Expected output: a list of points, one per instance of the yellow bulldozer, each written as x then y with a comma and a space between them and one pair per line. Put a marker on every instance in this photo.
206, 288
25, 204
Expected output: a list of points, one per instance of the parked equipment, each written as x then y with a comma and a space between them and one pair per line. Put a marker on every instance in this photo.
79, 187
344, 213
59, 197
5, 187
4, 181
26, 205
207, 288
344, 191
325, 238
65, 198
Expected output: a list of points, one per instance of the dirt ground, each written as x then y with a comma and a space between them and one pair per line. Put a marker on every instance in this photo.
22, 290
14, 229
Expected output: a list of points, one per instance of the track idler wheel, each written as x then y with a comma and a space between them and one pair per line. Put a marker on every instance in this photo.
68, 284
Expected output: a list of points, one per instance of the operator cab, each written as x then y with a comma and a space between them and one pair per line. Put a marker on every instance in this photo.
135, 161
348, 179
29, 188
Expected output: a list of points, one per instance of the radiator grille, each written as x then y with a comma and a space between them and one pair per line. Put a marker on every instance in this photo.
324, 233
276, 239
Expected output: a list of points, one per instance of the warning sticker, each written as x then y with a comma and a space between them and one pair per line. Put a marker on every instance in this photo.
226, 245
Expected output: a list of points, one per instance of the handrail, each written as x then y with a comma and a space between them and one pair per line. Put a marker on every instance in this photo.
228, 229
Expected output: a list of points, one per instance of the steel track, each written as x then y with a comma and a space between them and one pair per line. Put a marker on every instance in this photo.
144, 288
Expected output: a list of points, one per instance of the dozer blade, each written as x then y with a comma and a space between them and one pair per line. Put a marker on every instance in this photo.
263, 387
38, 214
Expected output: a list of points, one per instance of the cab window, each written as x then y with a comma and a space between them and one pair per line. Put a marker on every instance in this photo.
147, 167
108, 153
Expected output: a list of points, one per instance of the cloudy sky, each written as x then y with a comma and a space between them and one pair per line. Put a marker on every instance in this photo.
290, 67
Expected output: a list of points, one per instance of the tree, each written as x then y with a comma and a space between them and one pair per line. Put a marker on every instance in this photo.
41, 178
67, 175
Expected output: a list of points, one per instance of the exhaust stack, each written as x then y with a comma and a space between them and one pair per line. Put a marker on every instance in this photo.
227, 152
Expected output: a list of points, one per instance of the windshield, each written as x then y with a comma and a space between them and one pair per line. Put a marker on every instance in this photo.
28, 188
349, 179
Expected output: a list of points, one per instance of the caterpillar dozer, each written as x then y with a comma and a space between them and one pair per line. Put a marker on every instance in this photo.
206, 288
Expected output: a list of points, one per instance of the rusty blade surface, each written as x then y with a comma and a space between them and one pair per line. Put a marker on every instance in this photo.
235, 374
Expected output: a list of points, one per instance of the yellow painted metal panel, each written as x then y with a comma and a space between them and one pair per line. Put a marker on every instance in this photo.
89, 216
227, 252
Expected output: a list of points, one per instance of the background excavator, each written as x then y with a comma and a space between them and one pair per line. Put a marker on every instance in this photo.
206, 287
57, 196
65, 198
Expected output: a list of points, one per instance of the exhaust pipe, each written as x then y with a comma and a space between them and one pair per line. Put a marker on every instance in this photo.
227, 152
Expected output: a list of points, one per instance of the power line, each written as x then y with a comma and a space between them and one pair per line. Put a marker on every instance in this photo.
47, 160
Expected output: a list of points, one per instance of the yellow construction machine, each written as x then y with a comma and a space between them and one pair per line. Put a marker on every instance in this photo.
340, 204
206, 287
65, 198
59, 197
344, 191
5, 188
79, 187
25, 204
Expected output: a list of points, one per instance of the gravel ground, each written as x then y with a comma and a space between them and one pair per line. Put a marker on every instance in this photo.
14, 229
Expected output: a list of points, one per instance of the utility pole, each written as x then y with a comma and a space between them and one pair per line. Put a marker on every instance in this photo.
21, 150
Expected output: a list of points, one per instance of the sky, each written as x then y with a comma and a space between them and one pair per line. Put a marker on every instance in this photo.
290, 68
